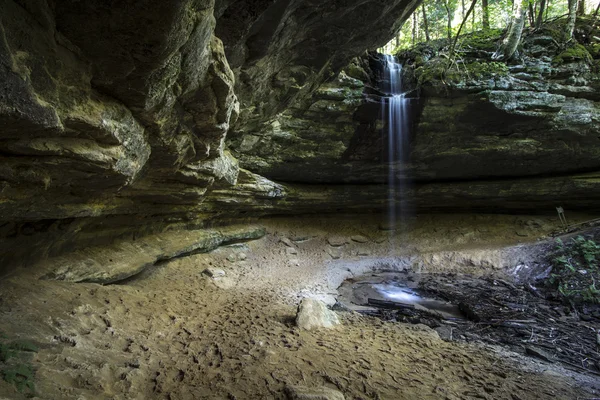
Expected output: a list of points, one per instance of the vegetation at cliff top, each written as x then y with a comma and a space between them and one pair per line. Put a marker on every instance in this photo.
438, 19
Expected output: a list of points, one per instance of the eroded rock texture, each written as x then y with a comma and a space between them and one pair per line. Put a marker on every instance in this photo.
114, 114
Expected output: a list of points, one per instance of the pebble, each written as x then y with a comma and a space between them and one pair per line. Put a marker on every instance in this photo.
359, 239
290, 251
214, 272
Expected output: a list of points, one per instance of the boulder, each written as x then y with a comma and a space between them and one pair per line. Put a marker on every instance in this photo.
314, 314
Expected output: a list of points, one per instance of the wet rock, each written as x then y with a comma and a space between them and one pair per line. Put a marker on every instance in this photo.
336, 241
214, 272
538, 353
313, 314
312, 393
359, 239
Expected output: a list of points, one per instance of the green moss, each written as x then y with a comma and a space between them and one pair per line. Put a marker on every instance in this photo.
479, 70
432, 71
481, 40
21, 376
594, 50
575, 53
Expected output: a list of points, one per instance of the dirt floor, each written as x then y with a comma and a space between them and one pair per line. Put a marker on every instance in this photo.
173, 332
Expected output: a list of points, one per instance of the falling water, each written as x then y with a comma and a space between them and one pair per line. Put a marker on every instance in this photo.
395, 109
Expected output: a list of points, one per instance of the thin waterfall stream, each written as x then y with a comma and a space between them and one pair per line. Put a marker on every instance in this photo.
396, 118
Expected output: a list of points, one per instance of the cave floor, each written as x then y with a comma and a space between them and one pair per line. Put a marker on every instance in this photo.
175, 333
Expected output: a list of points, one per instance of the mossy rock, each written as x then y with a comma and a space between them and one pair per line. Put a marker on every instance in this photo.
481, 40
480, 70
572, 54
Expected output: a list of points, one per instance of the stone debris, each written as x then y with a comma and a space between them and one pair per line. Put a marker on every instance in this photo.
214, 272
291, 251
313, 313
363, 252
287, 242
312, 393
334, 253
536, 352
359, 239
336, 241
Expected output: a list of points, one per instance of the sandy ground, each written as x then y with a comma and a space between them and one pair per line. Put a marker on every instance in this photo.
175, 333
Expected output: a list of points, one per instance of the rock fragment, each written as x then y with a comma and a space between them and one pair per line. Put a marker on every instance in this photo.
214, 272
313, 313
311, 393
359, 239
336, 241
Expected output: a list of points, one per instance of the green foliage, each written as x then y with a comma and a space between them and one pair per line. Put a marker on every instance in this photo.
500, 12
575, 270
483, 40
574, 53
15, 368
21, 376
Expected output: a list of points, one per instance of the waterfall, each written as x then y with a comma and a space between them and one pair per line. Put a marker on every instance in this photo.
395, 110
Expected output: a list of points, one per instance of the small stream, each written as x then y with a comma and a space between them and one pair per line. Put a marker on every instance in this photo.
397, 288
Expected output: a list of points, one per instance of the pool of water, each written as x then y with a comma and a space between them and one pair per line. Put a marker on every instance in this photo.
397, 288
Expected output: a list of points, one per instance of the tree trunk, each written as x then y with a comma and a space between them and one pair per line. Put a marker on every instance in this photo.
473, 3
531, 15
425, 23
571, 20
464, 9
485, 14
414, 29
449, 13
597, 9
513, 37
540, 18
581, 8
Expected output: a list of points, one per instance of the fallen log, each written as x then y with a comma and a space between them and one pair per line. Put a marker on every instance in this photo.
392, 305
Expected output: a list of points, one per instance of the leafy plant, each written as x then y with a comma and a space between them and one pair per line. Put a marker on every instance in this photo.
15, 368
575, 270
21, 376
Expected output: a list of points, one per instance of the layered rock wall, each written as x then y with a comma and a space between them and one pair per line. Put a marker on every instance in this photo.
114, 114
